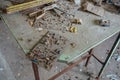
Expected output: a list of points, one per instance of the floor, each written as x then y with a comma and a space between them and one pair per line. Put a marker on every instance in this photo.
14, 65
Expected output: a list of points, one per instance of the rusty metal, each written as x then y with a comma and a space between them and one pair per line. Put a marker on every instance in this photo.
98, 59
69, 67
110, 55
88, 59
36, 72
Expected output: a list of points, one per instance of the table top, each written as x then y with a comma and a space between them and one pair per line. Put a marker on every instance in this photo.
87, 37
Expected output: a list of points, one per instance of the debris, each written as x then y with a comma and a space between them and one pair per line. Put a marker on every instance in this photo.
40, 15
37, 14
93, 9
98, 2
114, 2
77, 2
50, 7
104, 22
48, 50
73, 29
63, 11
27, 5
33, 14
112, 76
55, 13
31, 22
76, 21
117, 3
118, 58
73, 45
39, 29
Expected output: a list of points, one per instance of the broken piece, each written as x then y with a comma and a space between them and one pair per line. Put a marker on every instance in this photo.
76, 21
104, 22
73, 45
98, 2
40, 15
76, 1
31, 22
93, 9
37, 14
50, 7
73, 29
27, 5
48, 50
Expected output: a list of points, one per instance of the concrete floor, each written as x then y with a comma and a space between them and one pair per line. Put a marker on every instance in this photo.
14, 65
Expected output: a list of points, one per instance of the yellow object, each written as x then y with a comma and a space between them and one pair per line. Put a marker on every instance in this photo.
73, 29
27, 5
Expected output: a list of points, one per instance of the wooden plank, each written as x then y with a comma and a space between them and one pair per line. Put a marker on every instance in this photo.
27, 5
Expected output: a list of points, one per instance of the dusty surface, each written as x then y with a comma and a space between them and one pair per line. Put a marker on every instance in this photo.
15, 66
87, 36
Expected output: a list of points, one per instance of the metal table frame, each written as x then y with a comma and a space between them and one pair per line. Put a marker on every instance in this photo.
88, 56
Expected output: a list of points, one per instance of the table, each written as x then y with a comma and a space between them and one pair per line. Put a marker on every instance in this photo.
88, 36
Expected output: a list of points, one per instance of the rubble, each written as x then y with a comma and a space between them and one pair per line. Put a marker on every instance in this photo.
26, 5
73, 29
48, 50
104, 22
117, 58
31, 22
39, 29
37, 14
73, 45
40, 15
34, 13
98, 2
93, 9
112, 76
76, 21
77, 2
114, 2
50, 7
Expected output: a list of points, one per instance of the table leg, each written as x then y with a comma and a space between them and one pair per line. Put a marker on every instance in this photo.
109, 55
36, 72
68, 68
88, 59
